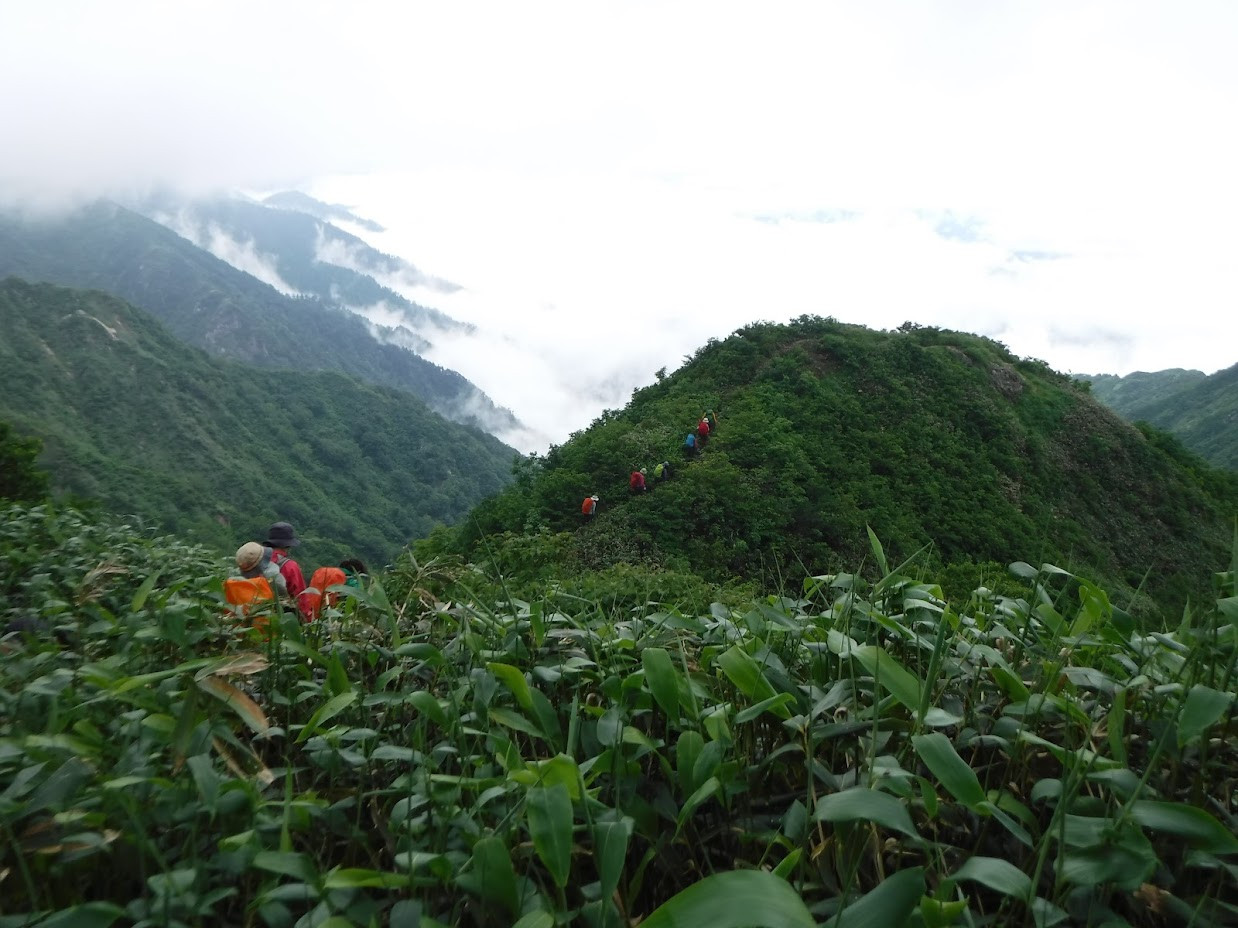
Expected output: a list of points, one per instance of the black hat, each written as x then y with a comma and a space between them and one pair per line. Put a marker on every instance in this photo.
281, 535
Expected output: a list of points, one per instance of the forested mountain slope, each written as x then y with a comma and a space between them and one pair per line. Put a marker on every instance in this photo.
216, 450
208, 303
1201, 411
928, 436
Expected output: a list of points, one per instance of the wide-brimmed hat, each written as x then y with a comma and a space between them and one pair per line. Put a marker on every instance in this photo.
594, 498
249, 555
281, 535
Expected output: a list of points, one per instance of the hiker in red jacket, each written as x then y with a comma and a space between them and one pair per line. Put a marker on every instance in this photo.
637, 481
702, 430
281, 537
589, 507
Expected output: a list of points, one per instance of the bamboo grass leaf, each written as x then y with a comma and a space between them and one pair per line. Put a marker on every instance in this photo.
893, 676
663, 680
549, 813
489, 875
950, 769
327, 711
996, 874
514, 680
735, 899
610, 841
1202, 709
862, 804
890, 903
1199, 828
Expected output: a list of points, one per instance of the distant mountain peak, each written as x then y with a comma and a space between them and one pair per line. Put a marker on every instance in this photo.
300, 202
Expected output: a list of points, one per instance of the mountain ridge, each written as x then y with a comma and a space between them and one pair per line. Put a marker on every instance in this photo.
827, 430
132, 417
210, 304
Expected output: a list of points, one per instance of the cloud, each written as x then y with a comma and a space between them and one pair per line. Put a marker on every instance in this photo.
242, 255
615, 183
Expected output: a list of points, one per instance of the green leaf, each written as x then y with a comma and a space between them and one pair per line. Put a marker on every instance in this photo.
327, 711
892, 675
890, 903
878, 551
1204, 707
143, 591
663, 680
90, 915
735, 899
490, 876
539, 919
288, 863
775, 705
746, 674
996, 874
704, 792
357, 878
514, 680
950, 769
427, 705
860, 803
558, 769
514, 720
610, 851
549, 813
1199, 828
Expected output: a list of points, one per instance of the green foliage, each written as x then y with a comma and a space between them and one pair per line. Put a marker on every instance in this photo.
930, 437
20, 478
215, 450
858, 753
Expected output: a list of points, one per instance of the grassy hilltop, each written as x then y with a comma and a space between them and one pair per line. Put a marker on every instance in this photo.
929, 437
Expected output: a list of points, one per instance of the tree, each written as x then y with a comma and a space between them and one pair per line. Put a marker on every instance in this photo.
19, 478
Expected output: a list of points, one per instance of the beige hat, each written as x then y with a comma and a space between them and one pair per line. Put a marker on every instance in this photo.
248, 555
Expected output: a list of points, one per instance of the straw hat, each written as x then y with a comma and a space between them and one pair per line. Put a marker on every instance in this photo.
249, 555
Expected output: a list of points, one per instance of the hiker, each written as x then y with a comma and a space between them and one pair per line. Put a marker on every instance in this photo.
690, 446
589, 507
280, 538
662, 471
321, 592
254, 560
637, 481
355, 571
702, 430
713, 421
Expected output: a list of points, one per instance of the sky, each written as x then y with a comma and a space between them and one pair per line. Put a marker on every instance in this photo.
613, 184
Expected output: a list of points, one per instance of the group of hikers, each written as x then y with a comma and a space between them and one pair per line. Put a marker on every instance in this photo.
639, 481
269, 573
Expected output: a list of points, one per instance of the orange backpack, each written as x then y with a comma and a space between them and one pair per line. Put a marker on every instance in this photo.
323, 578
245, 593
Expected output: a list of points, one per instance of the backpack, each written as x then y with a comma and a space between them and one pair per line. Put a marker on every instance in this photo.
246, 593
316, 592
587, 506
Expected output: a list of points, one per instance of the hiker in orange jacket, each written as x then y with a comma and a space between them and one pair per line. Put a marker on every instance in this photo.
281, 538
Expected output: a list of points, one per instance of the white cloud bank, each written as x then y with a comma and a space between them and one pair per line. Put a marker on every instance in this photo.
613, 183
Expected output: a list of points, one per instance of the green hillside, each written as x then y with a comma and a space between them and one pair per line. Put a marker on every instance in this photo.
929, 437
210, 304
1201, 411
216, 450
